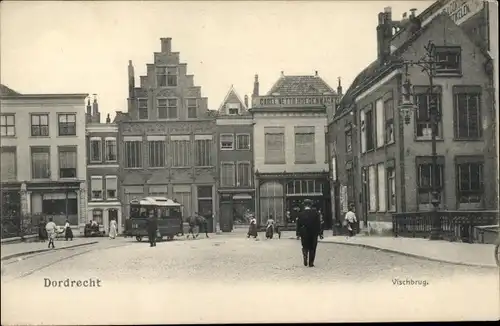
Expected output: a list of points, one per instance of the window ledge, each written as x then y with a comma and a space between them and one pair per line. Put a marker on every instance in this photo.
59, 135
111, 199
427, 139
156, 167
243, 149
469, 139
392, 142
136, 168
36, 137
275, 163
305, 162
9, 136
115, 161
95, 162
227, 149
182, 167
69, 179
96, 199
203, 166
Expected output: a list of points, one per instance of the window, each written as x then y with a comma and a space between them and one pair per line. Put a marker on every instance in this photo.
167, 108
389, 121
67, 162
67, 124
227, 174
304, 145
95, 150
470, 181
203, 150
370, 142
274, 145
156, 153
111, 150
243, 174
96, 188
7, 125
304, 187
205, 202
133, 154
449, 59
181, 152
467, 115
242, 142
192, 107
381, 179
161, 76
171, 76
227, 141
111, 187
424, 103
142, 107
348, 138
39, 125
271, 202
97, 216
233, 108
391, 189
424, 178
8, 164
372, 188
380, 123
40, 162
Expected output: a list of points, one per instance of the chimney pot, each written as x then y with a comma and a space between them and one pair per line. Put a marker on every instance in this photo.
166, 44
316, 73
413, 10
282, 73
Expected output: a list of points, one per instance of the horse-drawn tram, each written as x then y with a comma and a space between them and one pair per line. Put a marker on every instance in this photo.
167, 212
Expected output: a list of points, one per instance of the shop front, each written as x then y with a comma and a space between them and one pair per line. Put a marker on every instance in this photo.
281, 197
103, 213
236, 207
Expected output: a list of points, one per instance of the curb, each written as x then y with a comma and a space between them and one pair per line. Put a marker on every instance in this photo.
25, 253
409, 255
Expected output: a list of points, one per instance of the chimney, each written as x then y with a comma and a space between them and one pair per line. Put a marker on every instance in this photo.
384, 34
131, 79
316, 73
246, 101
412, 15
282, 73
414, 24
339, 88
89, 108
256, 86
96, 115
108, 119
166, 45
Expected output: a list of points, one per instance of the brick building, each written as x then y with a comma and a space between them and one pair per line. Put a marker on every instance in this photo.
291, 159
382, 164
166, 141
102, 169
42, 154
235, 161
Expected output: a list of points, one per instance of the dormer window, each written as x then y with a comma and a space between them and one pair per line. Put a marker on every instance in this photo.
233, 108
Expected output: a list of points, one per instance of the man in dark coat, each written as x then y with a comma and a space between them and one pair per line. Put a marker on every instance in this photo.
152, 228
309, 228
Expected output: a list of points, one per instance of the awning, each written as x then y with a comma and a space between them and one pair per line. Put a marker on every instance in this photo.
242, 196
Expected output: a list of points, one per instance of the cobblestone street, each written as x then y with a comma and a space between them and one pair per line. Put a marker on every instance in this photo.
233, 279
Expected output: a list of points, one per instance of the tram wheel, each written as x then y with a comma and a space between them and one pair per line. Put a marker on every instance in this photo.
138, 238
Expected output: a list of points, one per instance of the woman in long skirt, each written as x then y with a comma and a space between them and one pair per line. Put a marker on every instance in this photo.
68, 233
112, 229
252, 229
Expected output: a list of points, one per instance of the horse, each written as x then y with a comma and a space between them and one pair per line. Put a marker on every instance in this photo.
198, 221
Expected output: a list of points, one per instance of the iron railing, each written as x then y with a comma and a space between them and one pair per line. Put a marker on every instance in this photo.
18, 226
455, 225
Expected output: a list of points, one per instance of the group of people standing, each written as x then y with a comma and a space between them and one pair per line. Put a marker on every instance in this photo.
49, 231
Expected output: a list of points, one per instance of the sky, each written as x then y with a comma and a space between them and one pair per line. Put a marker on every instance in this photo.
84, 47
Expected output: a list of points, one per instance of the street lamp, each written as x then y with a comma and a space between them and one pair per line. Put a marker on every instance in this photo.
427, 63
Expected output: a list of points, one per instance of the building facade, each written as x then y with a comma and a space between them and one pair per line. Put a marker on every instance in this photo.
391, 158
102, 170
42, 155
235, 161
290, 152
166, 141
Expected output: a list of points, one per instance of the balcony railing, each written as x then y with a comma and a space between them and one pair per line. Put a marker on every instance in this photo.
455, 225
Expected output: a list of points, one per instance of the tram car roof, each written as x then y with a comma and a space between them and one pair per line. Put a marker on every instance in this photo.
155, 201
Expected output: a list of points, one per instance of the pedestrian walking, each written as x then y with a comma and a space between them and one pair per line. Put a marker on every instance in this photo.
202, 223
51, 229
112, 229
252, 228
152, 229
308, 226
68, 233
350, 221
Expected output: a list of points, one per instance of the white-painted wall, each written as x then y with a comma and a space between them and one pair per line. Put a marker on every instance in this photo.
262, 121
22, 108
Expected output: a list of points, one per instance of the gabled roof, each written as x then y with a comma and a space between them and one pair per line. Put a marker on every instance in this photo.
232, 97
6, 91
300, 85
375, 69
